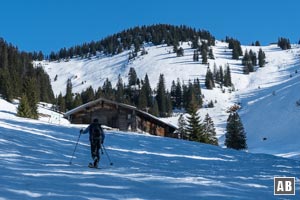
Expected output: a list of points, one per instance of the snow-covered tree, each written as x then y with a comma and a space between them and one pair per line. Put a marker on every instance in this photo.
209, 131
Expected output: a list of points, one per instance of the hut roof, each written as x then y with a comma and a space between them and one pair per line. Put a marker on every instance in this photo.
95, 102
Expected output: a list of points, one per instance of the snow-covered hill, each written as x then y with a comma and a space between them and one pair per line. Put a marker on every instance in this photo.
268, 96
35, 159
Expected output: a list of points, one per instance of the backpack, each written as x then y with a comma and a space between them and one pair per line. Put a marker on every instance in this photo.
96, 132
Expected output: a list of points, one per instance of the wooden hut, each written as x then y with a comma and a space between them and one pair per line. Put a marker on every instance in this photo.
121, 116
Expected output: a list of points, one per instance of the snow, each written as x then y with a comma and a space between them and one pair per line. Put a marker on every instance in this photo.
268, 96
35, 157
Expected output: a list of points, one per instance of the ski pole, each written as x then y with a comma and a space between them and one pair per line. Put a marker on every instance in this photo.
111, 163
74, 149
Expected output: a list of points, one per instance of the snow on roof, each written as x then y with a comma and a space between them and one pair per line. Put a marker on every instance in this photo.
91, 103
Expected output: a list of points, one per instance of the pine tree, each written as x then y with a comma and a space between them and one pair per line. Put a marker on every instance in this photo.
148, 91
261, 58
209, 80
257, 43
142, 102
132, 77
204, 56
182, 127
178, 95
211, 54
61, 103
107, 89
221, 72
154, 109
24, 109
77, 100
120, 90
253, 58
69, 95
87, 96
197, 91
227, 77
161, 96
31, 91
194, 127
235, 136
173, 94
6, 84
169, 104
284, 43
185, 96
209, 131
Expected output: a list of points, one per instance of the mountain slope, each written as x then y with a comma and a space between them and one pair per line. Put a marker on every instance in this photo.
263, 114
35, 155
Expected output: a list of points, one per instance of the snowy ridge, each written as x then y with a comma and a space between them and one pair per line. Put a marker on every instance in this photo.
35, 164
264, 115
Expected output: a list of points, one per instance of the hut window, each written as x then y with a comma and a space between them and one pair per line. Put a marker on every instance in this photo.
129, 116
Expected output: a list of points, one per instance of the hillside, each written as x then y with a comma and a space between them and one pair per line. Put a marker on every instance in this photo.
264, 115
35, 159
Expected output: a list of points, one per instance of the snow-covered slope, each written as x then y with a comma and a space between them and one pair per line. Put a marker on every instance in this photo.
274, 117
35, 159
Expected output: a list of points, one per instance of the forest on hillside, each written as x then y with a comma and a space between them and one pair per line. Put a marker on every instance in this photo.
134, 38
18, 76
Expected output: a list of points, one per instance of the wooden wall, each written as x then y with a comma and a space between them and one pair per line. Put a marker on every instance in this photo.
122, 117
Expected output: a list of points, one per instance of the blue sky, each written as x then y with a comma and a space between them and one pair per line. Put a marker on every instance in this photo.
52, 24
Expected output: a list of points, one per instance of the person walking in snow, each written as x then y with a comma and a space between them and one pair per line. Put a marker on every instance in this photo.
97, 137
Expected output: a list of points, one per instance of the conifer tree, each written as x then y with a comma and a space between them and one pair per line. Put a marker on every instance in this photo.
235, 136
61, 103
87, 95
185, 96
148, 91
253, 57
284, 43
197, 92
209, 80
161, 96
204, 56
182, 127
261, 58
211, 54
142, 102
169, 106
227, 77
107, 89
209, 131
6, 84
173, 94
77, 100
194, 127
178, 95
221, 73
132, 77
120, 90
69, 95
154, 109
24, 109
31, 92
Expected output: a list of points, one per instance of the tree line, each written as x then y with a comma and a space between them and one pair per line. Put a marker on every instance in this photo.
134, 38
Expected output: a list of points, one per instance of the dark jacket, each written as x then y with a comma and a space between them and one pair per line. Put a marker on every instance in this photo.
90, 128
